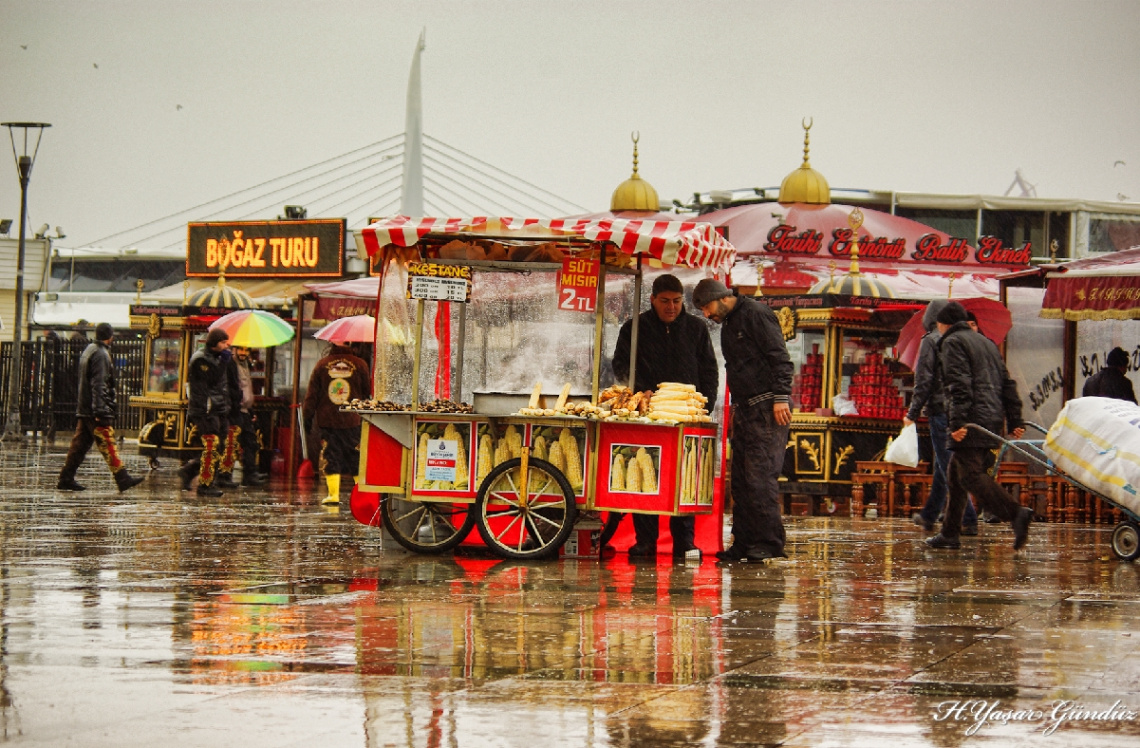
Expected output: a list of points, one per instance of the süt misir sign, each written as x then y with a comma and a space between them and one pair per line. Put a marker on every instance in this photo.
247, 249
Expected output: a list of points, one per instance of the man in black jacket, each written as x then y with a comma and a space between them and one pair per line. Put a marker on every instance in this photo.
979, 391
1111, 381
208, 411
928, 396
672, 346
760, 379
96, 414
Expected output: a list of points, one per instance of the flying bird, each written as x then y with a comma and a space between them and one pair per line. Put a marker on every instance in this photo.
1118, 163
178, 107
23, 46
95, 65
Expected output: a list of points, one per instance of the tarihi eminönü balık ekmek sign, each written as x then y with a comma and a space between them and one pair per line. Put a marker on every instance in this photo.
266, 249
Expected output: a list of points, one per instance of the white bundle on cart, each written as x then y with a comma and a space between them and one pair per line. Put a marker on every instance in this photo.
1096, 441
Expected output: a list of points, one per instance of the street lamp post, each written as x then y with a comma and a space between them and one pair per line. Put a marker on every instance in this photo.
24, 162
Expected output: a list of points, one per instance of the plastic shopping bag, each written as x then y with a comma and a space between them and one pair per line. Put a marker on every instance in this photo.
904, 449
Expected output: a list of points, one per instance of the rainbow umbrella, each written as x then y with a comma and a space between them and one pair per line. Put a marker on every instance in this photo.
360, 328
253, 328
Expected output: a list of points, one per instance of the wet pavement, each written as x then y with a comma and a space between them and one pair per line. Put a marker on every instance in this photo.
264, 619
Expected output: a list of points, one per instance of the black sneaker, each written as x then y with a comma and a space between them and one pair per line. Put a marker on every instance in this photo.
1021, 527
639, 550
69, 485
941, 541
128, 482
225, 480
681, 551
187, 476
918, 520
204, 490
969, 530
254, 479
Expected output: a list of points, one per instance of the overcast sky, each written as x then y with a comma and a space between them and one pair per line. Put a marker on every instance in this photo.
159, 105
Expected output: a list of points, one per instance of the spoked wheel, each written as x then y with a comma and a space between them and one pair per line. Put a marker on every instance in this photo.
1126, 541
531, 521
426, 526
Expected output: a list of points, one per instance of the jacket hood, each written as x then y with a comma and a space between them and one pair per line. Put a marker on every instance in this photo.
930, 316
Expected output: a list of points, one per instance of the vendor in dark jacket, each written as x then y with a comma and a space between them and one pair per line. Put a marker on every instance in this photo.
338, 378
928, 397
759, 373
978, 390
672, 346
1111, 381
208, 411
95, 414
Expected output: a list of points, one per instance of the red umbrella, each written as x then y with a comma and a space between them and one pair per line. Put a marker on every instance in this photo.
357, 329
994, 322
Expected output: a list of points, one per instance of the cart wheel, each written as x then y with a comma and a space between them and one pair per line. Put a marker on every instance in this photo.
530, 521
1126, 541
426, 526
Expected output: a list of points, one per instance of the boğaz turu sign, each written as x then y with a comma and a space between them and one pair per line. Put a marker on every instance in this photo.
296, 249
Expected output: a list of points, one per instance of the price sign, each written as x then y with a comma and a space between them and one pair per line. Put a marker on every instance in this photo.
442, 456
578, 285
427, 280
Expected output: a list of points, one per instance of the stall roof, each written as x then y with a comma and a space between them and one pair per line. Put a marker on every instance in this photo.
686, 243
267, 293
1102, 287
906, 283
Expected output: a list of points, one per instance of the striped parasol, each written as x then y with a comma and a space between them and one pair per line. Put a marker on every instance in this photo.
360, 328
253, 328
222, 296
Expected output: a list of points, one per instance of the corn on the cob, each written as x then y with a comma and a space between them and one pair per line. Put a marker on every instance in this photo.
539, 451
707, 474
556, 458
573, 458
633, 477
514, 441
421, 460
648, 474
452, 434
502, 452
486, 462
688, 481
617, 473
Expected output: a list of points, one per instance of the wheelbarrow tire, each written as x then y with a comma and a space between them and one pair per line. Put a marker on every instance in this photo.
426, 526
531, 529
1126, 541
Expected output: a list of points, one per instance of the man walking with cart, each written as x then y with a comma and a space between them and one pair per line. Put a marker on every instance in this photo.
96, 414
760, 379
978, 390
672, 346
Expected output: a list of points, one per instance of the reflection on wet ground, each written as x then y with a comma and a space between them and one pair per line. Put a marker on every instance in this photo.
264, 619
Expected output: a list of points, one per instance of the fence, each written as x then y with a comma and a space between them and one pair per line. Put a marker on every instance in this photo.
49, 383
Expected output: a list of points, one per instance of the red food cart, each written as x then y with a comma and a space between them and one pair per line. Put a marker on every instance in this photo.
525, 296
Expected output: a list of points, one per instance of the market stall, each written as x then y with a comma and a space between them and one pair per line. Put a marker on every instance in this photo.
546, 445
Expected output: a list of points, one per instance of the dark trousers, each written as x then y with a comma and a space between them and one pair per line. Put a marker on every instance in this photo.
340, 451
936, 500
240, 436
758, 446
968, 475
86, 434
647, 527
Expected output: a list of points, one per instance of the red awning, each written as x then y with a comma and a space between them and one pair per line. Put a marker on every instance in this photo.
1105, 287
685, 243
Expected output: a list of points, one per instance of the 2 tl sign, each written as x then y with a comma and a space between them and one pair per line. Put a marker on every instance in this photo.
578, 285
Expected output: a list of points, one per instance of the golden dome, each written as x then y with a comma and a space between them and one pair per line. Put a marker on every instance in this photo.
223, 296
805, 184
853, 283
634, 193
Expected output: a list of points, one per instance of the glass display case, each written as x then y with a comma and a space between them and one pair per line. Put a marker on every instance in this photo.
164, 366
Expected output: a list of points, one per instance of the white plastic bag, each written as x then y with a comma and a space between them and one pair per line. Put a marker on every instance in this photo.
843, 406
904, 449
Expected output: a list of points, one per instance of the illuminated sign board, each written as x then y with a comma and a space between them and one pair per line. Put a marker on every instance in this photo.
267, 249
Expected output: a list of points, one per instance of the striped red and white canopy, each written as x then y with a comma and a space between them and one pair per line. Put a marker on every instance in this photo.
686, 243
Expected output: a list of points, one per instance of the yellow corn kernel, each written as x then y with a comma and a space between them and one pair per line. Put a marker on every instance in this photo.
556, 458
617, 473
514, 441
486, 462
451, 433
539, 449
421, 460
648, 474
573, 458
633, 477
502, 452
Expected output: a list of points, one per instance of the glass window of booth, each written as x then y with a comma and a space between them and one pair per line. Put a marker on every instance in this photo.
806, 351
163, 367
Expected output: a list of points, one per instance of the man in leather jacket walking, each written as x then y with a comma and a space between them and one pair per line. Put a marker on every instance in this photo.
96, 414
208, 411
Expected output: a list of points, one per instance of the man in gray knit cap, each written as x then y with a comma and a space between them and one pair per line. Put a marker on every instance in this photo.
759, 373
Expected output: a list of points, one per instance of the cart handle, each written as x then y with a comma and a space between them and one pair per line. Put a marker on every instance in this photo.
1049, 466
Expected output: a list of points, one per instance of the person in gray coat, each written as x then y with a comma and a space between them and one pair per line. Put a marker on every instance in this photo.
979, 391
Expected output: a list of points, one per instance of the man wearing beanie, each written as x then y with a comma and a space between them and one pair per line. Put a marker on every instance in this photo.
672, 346
928, 396
96, 414
1112, 380
978, 390
208, 411
759, 374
